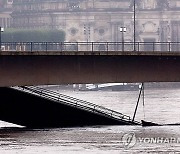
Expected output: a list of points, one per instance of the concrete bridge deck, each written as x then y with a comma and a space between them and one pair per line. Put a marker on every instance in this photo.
68, 67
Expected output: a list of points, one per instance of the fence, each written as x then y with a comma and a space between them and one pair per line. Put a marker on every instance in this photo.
91, 46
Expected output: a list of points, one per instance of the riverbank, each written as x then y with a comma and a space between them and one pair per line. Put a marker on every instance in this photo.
151, 85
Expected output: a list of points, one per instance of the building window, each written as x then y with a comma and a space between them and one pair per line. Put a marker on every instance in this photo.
101, 31
73, 31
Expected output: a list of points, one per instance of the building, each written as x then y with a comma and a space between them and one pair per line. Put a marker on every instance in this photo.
5, 13
100, 20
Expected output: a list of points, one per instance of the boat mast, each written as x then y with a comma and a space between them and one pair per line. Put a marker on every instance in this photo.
142, 89
143, 102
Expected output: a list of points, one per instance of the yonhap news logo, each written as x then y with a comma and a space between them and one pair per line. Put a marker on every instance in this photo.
129, 140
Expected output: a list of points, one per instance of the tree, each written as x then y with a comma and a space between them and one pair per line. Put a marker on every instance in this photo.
16, 35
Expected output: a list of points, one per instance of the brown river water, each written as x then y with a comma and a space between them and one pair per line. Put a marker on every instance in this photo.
161, 106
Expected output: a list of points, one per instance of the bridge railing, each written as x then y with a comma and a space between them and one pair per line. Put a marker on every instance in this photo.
90, 46
75, 102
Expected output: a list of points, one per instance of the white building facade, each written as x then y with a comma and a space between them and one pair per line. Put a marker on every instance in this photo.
100, 20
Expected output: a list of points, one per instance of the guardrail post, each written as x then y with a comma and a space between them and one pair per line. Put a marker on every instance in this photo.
31, 46
92, 46
122, 46
60, 46
107, 46
77, 46
169, 47
138, 46
153, 46
14, 45
46, 46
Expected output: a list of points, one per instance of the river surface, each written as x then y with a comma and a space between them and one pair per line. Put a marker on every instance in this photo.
161, 106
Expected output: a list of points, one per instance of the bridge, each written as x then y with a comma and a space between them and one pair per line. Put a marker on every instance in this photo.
40, 63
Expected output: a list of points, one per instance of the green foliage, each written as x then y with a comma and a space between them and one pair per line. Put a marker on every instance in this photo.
16, 35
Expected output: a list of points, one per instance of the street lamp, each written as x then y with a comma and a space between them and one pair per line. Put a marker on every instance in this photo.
134, 25
122, 30
1, 30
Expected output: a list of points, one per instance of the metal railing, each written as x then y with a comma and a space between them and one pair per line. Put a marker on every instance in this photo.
91, 46
61, 98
